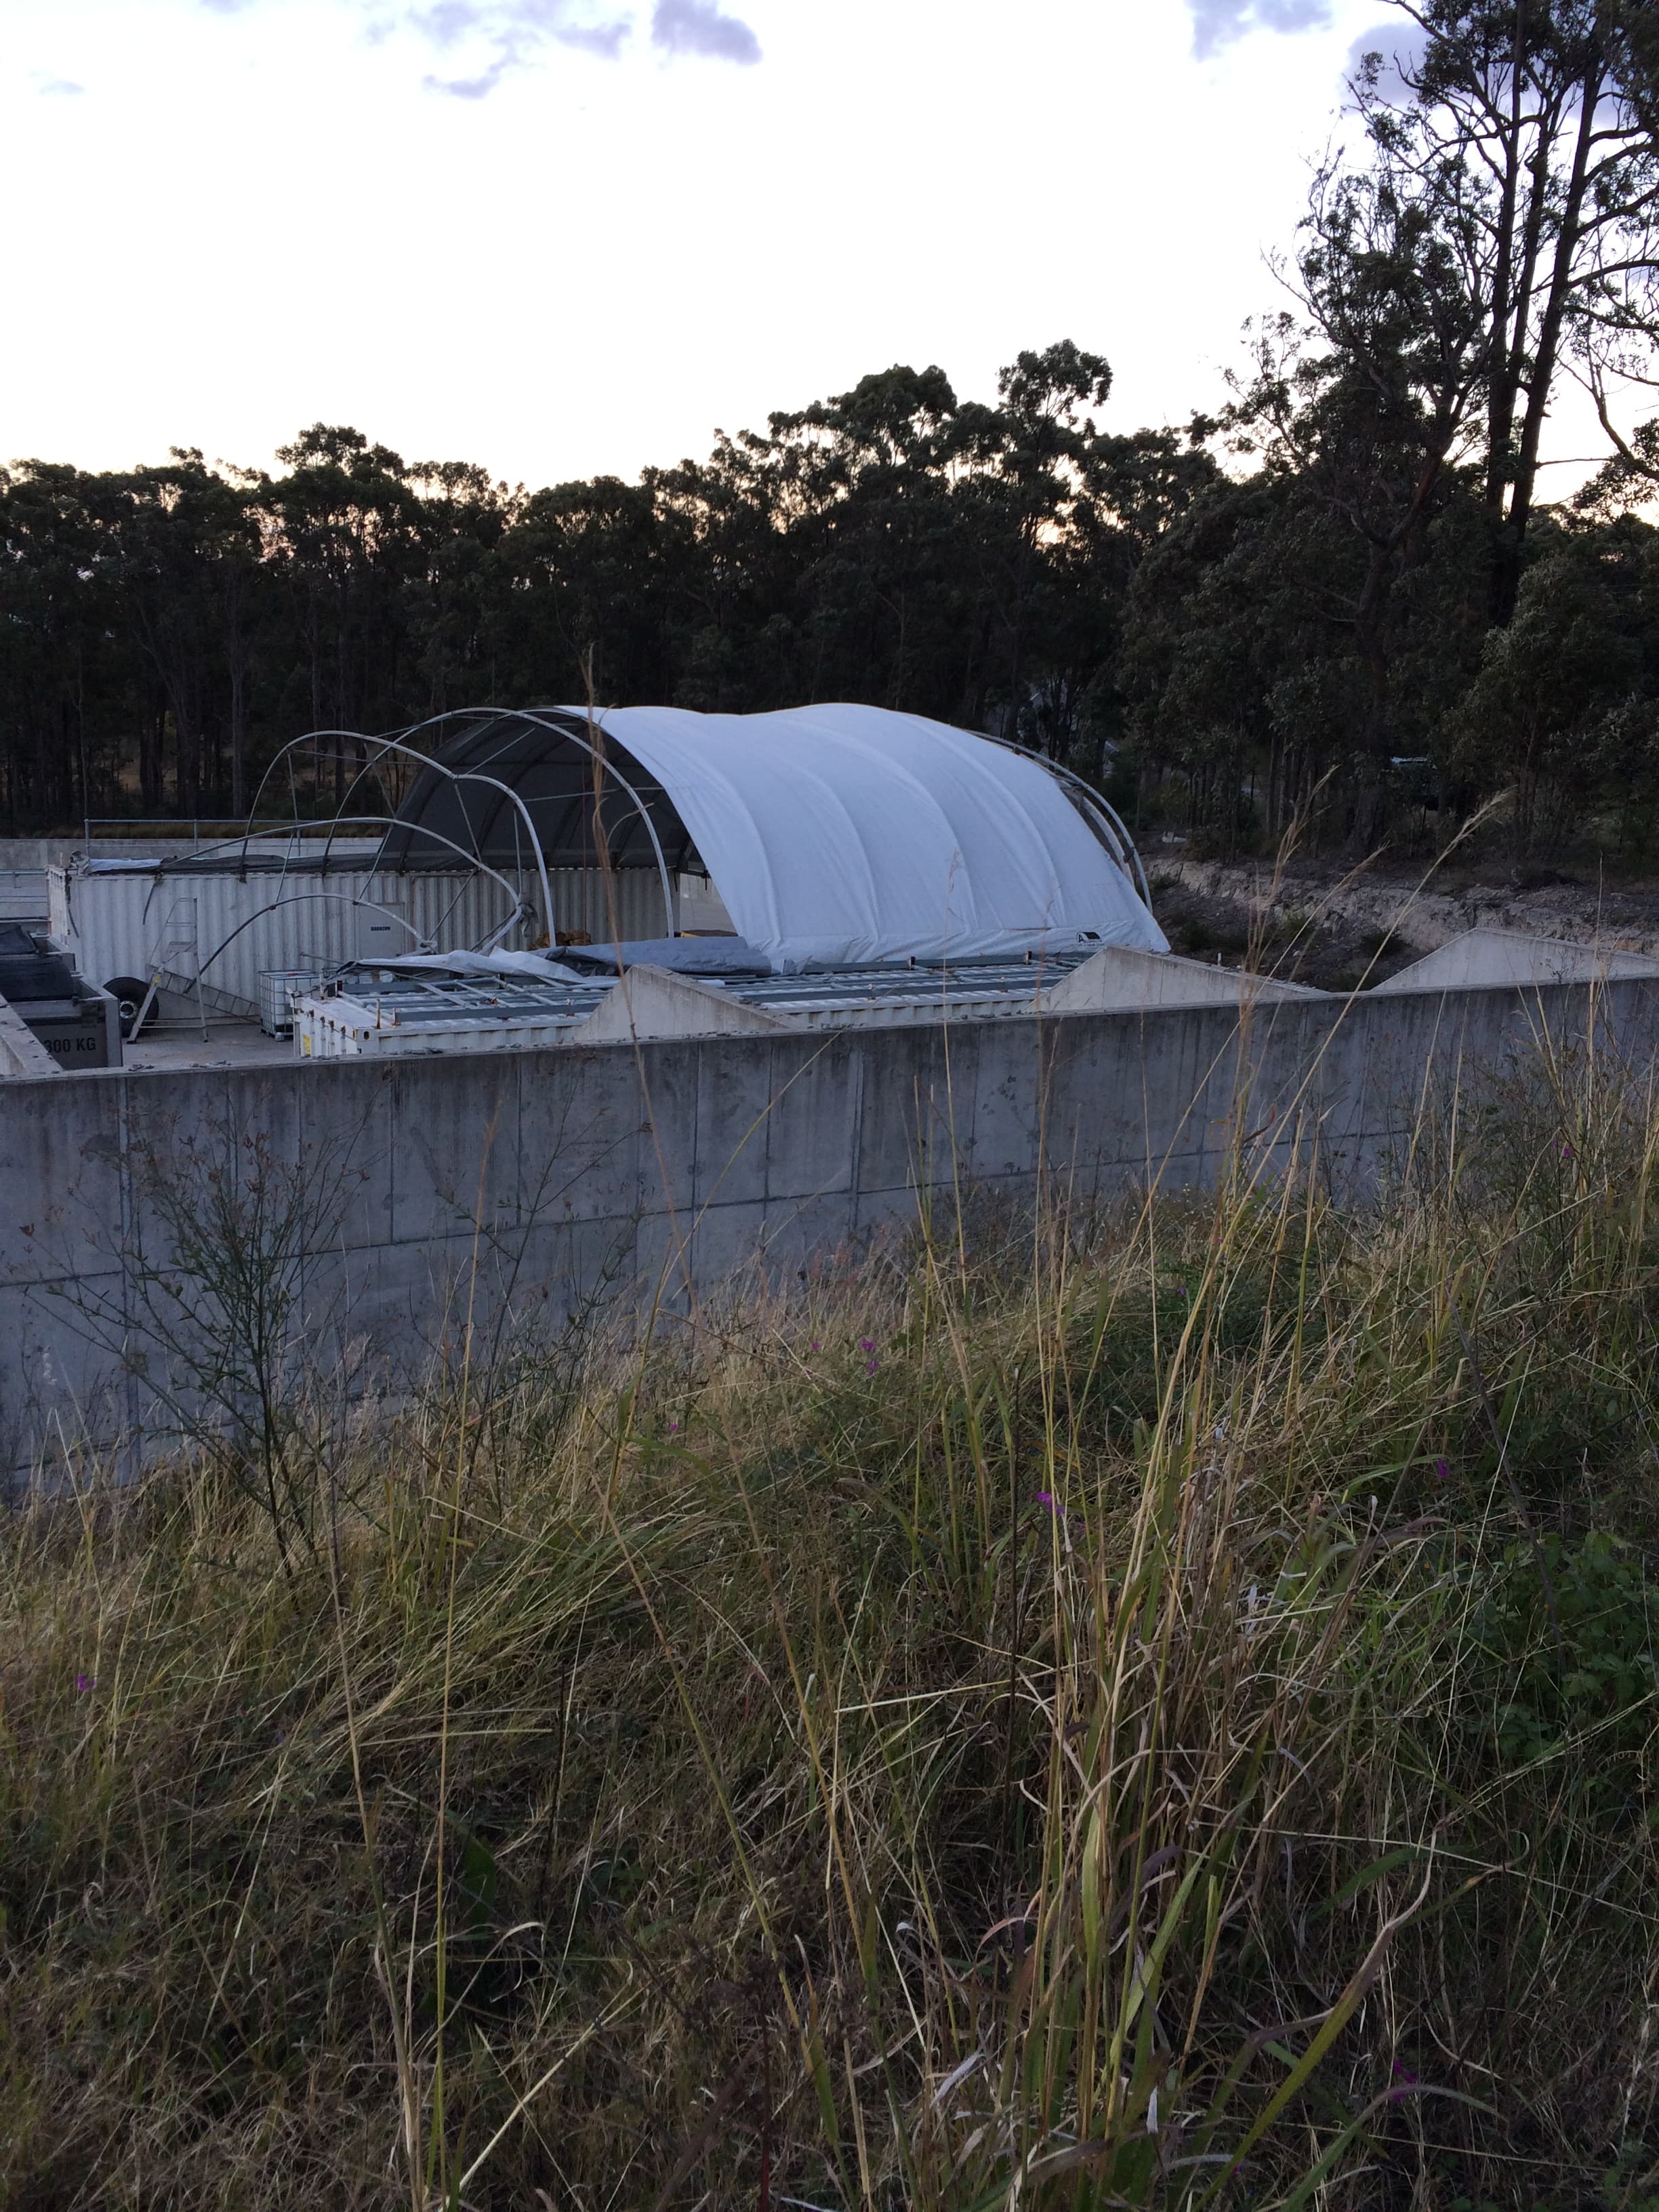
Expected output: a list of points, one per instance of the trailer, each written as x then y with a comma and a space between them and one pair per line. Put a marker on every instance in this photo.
75, 1025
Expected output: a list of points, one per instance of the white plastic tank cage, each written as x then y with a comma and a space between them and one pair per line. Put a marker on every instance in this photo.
827, 836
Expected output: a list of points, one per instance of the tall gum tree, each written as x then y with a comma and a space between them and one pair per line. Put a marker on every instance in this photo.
1523, 127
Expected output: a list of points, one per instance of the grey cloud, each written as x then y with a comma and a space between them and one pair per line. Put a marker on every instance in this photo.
511, 31
1218, 23
60, 88
518, 48
700, 26
502, 36
469, 88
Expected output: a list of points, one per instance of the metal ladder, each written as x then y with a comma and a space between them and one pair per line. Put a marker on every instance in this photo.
177, 965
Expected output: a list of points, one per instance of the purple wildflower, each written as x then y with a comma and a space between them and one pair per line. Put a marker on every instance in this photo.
866, 1344
1404, 2079
1442, 1471
85, 1682
673, 1428
816, 1346
870, 1365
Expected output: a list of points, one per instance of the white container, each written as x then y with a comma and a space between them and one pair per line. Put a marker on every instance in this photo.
127, 918
354, 1029
925, 1010
23, 896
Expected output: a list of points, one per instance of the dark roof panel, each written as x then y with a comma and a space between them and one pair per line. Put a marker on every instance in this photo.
545, 761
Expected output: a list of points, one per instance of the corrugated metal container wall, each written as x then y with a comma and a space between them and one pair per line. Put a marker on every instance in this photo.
23, 895
582, 901
121, 922
127, 922
461, 910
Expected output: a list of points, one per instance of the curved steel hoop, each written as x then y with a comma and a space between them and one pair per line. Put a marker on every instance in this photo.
1102, 816
554, 719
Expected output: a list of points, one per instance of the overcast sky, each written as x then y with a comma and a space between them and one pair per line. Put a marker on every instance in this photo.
565, 236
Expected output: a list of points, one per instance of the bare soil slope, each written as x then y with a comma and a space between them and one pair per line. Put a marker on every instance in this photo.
1344, 929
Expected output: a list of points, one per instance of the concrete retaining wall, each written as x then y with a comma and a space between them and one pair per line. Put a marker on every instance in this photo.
613, 1163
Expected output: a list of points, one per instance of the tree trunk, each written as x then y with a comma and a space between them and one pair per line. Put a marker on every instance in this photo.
1511, 545
1500, 399
151, 736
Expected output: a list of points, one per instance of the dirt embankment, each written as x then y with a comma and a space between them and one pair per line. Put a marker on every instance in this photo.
1337, 929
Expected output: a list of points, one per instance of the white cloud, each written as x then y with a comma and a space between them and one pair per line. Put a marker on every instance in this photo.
1218, 23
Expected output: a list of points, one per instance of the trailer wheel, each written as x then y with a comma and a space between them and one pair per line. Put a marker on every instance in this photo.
129, 992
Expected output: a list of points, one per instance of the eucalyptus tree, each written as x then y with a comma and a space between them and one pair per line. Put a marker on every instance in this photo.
1026, 488
1492, 230
859, 489
1524, 128
1368, 403
71, 695
343, 526
578, 589
1134, 489
186, 545
1564, 710
450, 600
730, 622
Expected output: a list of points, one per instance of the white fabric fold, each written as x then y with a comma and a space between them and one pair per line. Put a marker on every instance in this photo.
839, 835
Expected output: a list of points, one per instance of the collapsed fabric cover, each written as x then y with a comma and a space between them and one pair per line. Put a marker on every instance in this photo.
842, 835
684, 956
536, 965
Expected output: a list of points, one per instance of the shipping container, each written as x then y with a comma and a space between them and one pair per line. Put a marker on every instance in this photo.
120, 919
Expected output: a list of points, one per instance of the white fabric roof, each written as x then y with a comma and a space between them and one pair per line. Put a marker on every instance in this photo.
840, 835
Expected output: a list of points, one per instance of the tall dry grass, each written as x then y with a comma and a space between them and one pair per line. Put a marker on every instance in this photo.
1154, 1709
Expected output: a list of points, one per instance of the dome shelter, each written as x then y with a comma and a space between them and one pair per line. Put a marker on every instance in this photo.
835, 836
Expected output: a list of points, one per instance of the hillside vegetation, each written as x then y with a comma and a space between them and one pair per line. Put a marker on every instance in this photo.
1155, 1710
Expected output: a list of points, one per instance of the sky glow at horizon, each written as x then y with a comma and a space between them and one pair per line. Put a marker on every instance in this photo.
563, 238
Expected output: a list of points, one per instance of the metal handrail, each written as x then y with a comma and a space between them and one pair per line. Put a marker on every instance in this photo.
177, 823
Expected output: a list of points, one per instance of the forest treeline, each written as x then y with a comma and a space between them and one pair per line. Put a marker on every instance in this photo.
1346, 586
